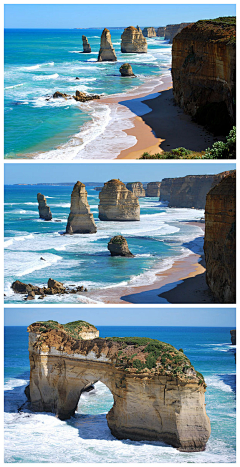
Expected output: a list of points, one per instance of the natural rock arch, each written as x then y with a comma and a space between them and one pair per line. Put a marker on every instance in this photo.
149, 403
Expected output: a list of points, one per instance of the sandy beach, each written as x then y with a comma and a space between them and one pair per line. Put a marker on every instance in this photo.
183, 283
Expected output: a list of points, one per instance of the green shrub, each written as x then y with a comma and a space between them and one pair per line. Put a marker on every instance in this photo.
221, 150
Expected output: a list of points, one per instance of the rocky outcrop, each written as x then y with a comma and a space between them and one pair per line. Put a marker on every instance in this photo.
204, 72
137, 189
189, 191
233, 336
86, 45
161, 31
133, 41
153, 189
83, 97
106, 52
171, 30
80, 219
44, 209
220, 239
118, 246
126, 70
117, 203
149, 32
157, 393
59, 94
53, 288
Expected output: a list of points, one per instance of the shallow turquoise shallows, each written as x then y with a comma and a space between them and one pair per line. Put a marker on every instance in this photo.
41, 437
40, 62
156, 240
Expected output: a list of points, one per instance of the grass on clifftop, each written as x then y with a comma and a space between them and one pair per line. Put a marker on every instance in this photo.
73, 328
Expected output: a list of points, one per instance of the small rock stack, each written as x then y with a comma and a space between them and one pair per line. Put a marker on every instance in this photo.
44, 209
86, 46
106, 52
118, 246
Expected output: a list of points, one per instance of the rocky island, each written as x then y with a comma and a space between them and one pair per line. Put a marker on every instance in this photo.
118, 246
44, 209
158, 395
133, 41
136, 188
117, 203
86, 45
80, 219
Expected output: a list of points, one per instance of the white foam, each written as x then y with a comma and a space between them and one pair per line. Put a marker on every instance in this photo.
43, 77
14, 86
39, 65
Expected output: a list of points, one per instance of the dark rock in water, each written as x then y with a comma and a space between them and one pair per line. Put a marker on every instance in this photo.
44, 209
58, 94
42, 259
27, 392
118, 247
77, 77
53, 288
30, 295
57, 220
233, 336
86, 45
126, 70
82, 97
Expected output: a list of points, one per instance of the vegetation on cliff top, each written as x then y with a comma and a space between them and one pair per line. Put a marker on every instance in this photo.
72, 328
223, 29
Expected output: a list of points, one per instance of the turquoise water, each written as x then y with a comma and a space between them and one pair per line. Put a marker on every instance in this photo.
40, 62
156, 241
40, 437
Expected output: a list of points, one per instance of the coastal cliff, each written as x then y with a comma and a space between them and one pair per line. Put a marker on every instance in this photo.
204, 72
80, 219
189, 191
43, 208
220, 239
161, 31
149, 32
153, 189
106, 52
171, 30
133, 41
117, 203
137, 189
157, 393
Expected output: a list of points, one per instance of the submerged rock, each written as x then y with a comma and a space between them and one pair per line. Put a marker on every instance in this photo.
118, 246
133, 41
117, 203
86, 45
149, 32
106, 52
44, 209
137, 189
80, 219
126, 70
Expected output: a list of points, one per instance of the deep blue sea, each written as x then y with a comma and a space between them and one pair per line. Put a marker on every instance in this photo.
41, 437
40, 62
159, 238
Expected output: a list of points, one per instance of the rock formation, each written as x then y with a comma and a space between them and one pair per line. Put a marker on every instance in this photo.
80, 219
149, 32
233, 336
133, 41
204, 72
161, 31
106, 52
83, 97
118, 246
171, 30
117, 203
86, 45
153, 189
220, 239
44, 209
137, 189
157, 393
53, 288
126, 70
189, 191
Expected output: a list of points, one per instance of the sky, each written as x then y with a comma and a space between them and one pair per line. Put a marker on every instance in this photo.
70, 16
102, 172
216, 317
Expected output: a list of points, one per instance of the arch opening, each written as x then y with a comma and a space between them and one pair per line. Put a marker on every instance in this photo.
96, 399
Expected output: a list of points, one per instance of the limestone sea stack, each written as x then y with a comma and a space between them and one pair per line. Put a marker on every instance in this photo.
126, 70
117, 203
118, 246
80, 219
133, 41
86, 45
204, 72
44, 209
153, 189
161, 31
220, 239
149, 32
233, 336
158, 395
137, 189
106, 52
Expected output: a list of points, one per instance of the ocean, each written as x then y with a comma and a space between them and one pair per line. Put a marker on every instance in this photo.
41, 437
159, 238
40, 62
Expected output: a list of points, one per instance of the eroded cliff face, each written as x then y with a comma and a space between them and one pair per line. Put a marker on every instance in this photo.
80, 219
133, 41
106, 52
117, 203
43, 208
220, 239
137, 189
189, 191
161, 31
164, 402
153, 189
204, 67
149, 32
